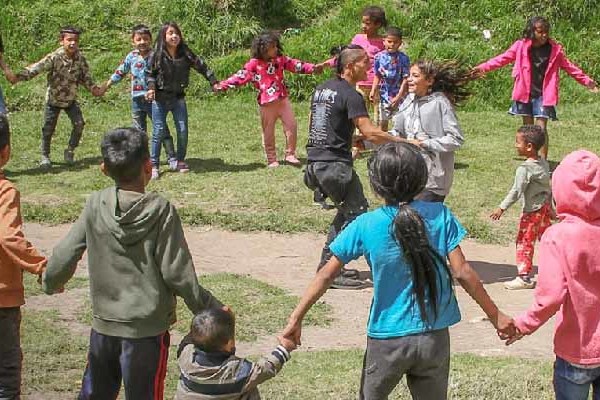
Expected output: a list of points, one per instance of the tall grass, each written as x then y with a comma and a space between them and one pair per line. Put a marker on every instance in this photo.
222, 29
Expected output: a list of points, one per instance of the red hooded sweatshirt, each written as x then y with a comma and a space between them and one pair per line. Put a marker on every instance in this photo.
569, 263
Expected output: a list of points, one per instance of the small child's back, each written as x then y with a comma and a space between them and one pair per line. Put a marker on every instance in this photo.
224, 376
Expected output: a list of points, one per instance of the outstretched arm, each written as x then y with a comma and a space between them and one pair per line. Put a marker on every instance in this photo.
469, 280
317, 287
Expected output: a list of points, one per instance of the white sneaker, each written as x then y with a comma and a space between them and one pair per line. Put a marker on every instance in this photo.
519, 283
155, 174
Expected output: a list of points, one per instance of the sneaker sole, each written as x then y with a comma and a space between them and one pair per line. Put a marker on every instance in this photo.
344, 287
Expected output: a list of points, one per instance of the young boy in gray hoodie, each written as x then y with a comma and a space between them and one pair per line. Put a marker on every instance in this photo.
138, 261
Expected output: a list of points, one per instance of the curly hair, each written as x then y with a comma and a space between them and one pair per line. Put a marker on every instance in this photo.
262, 42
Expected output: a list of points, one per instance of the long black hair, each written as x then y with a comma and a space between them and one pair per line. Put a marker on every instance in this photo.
529, 31
397, 173
160, 46
449, 77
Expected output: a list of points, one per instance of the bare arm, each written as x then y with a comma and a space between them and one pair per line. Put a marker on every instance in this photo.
317, 287
373, 133
469, 280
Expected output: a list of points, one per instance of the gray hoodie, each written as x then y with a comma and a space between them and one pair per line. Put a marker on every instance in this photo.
138, 261
432, 120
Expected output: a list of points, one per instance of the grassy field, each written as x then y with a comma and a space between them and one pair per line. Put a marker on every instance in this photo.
230, 187
51, 348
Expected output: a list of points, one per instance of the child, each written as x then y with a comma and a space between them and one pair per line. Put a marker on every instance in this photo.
406, 244
138, 261
532, 182
67, 69
136, 64
265, 71
391, 68
168, 77
16, 255
427, 119
372, 19
569, 279
538, 60
209, 367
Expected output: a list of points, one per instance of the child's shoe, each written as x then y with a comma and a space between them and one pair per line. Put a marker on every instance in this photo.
155, 174
173, 164
69, 156
45, 162
292, 160
182, 167
273, 164
520, 282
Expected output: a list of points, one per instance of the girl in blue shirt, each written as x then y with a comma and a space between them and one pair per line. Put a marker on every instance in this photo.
405, 244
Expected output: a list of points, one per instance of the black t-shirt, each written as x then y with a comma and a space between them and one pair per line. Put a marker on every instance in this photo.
539, 64
333, 107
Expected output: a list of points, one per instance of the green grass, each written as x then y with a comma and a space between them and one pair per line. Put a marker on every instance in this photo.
230, 187
248, 299
54, 361
33, 288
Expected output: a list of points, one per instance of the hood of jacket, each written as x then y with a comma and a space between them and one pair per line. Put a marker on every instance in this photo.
132, 225
576, 186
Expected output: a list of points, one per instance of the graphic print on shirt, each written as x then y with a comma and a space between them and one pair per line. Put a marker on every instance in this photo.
320, 113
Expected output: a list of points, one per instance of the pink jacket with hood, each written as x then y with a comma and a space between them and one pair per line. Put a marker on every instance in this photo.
521, 73
569, 264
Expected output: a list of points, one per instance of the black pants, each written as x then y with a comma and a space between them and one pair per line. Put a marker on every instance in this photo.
140, 363
51, 114
11, 356
339, 182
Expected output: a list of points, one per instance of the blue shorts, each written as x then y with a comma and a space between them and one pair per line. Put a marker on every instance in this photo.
534, 108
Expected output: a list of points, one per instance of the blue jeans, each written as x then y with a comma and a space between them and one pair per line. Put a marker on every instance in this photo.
573, 383
141, 110
2, 103
159, 122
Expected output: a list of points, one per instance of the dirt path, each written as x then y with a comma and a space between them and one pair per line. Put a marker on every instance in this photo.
289, 261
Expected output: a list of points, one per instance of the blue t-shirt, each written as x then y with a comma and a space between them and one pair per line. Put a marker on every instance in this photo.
394, 309
392, 68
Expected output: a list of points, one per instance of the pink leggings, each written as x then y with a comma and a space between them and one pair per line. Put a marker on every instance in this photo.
269, 114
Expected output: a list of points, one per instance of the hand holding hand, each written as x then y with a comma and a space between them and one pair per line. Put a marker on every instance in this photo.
293, 332
504, 325
11, 77
288, 344
318, 68
593, 88
496, 214
476, 73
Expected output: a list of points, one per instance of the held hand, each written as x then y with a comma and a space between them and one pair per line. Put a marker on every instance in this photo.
496, 214
318, 68
476, 73
505, 326
11, 77
215, 87
97, 91
414, 142
593, 88
293, 332
517, 336
372, 95
394, 103
287, 343
149, 95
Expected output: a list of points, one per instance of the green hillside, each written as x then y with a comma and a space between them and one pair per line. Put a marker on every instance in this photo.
221, 31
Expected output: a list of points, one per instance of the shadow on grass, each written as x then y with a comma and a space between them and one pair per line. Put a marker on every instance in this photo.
492, 273
58, 167
460, 165
199, 165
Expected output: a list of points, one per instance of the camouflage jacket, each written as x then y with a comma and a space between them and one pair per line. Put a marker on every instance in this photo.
64, 75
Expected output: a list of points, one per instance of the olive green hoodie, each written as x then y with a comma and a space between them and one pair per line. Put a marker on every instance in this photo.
138, 260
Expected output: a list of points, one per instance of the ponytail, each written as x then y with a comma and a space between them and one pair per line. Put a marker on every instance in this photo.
411, 235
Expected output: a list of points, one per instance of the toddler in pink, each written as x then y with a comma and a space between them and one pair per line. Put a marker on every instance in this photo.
569, 278
265, 71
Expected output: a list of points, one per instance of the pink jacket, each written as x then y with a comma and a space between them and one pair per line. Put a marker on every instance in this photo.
267, 77
569, 265
521, 73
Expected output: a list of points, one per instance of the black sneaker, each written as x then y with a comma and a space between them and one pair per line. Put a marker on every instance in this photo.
344, 283
350, 273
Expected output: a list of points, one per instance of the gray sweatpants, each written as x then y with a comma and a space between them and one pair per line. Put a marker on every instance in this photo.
423, 358
10, 353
